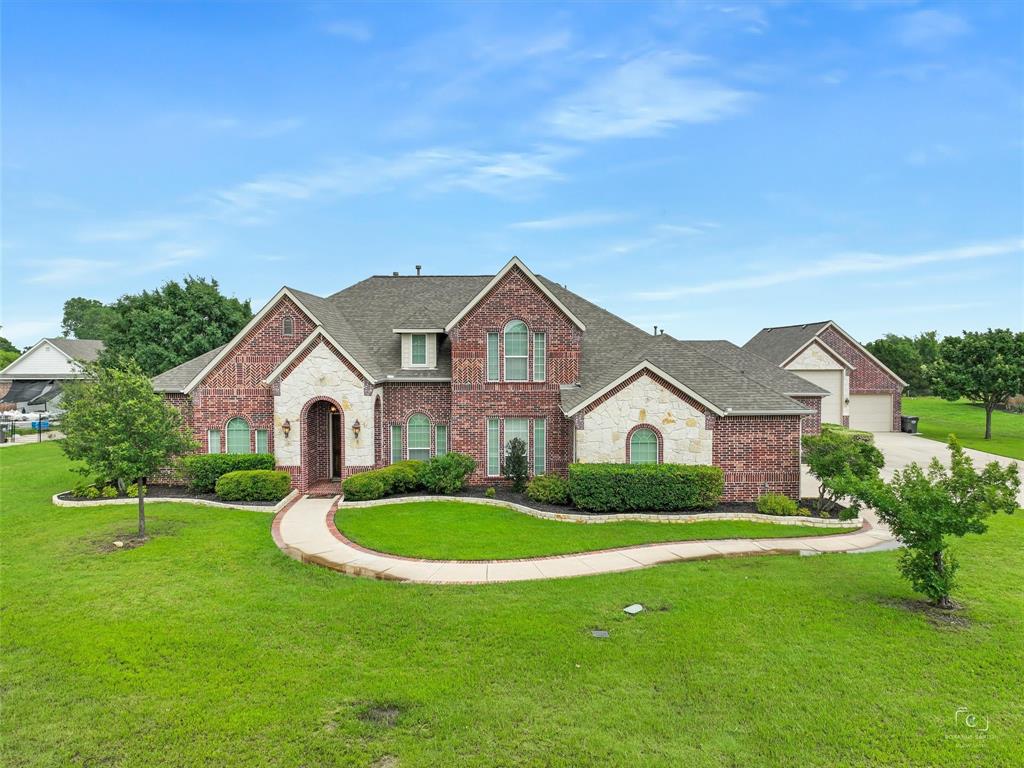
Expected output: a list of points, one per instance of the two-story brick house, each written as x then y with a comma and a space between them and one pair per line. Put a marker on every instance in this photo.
398, 367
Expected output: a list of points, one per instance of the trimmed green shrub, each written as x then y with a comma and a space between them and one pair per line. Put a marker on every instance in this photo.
448, 473
254, 485
365, 486
655, 487
132, 491
855, 434
549, 489
202, 470
490, 493
108, 492
777, 504
516, 468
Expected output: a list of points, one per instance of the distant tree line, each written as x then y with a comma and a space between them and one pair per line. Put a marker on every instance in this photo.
162, 328
985, 367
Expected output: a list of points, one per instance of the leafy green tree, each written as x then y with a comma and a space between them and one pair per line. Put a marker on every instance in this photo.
7, 346
908, 357
922, 508
834, 458
120, 428
87, 319
517, 468
6, 358
984, 367
163, 328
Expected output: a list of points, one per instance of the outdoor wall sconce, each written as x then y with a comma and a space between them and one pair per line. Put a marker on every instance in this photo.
356, 426
286, 427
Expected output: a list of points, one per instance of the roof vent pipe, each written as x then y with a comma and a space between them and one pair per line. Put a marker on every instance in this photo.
394, 274
655, 330
418, 268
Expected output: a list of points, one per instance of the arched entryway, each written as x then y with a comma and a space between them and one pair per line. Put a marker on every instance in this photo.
323, 441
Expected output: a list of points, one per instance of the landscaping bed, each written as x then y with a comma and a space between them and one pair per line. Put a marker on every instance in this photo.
170, 492
807, 506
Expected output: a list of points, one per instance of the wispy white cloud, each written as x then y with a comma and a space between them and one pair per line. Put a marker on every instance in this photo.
646, 96
840, 264
350, 29
581, 220
930, 29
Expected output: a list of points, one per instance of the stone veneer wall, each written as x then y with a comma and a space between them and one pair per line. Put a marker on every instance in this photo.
867, 378
685, 438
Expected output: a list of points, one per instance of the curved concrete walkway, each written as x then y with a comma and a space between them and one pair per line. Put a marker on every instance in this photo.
305, 531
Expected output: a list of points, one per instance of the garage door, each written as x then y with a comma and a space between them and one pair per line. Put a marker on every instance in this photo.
831, 406
872, 413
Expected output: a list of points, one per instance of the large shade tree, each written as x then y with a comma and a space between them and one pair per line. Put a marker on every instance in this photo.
908, 357
87, 319
984, 367
119, 428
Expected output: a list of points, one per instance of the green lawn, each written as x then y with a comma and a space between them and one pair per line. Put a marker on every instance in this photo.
940, 418
207, 646
445, 530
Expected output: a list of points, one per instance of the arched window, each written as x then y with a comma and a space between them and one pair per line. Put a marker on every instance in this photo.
287, 326
238, 436
419, 437
516, 349
643, 447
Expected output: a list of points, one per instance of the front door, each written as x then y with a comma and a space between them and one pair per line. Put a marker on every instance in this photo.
335, 440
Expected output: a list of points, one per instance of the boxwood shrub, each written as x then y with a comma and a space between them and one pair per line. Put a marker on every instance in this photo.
549, 489
366, 486
655, 487
202, 470
777, 504
254, 485
447, 474
401, 477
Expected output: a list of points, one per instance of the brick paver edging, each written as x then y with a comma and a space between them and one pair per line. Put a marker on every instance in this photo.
293, 496
570, 517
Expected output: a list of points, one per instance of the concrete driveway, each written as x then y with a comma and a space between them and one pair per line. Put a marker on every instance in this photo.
901, 449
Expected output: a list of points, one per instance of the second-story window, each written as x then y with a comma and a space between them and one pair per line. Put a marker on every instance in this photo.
540, 351
493, 364
419, 349
516, 350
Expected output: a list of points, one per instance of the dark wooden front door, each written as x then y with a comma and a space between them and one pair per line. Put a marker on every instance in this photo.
336, 436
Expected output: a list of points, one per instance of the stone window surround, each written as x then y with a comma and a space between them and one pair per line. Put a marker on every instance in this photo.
657, 434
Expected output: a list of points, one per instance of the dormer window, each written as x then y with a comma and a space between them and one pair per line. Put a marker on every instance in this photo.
516, 351
419, 349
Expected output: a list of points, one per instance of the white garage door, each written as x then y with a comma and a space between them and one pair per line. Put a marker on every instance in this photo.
831, 406
871, 413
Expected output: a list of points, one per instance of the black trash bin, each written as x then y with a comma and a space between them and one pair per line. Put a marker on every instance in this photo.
908, 424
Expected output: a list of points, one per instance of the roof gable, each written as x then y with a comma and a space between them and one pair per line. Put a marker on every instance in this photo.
514, 263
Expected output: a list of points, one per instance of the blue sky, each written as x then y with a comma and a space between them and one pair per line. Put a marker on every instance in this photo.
712, 168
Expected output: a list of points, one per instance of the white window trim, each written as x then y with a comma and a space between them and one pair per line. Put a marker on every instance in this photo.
544, 358
412, 353
209, 440
497, 357
497, 447
408, 433
533, 430
391, 438
505, 355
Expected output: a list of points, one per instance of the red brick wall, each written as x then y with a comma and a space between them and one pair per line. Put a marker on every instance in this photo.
474, 399
759, 454
867, 378
401, 400
811, 424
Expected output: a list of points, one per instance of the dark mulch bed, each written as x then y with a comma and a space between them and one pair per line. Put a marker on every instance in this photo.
807, 506
173, 492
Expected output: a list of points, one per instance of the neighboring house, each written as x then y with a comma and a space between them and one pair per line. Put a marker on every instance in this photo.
863, 393
414, 366
34, 382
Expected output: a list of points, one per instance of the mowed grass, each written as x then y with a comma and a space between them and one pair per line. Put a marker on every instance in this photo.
207, 646
939, 418
446, 530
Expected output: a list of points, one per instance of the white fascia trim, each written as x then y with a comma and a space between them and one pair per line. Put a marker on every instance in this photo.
859, 346
806, 394
514, 262
306, 344
253, 323
34, 376
831, 352
801, 412
417, 330
657, 372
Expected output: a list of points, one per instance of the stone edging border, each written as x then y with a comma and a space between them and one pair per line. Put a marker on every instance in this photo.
292, 496
570, 517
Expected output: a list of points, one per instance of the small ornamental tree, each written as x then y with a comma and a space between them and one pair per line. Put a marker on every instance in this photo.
923, 507
120, 428
517, 469
834, 458
983, 367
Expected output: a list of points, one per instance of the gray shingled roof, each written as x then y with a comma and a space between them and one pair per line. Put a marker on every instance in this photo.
362, 319
756, 367
178, 377
86, 350
778, 344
